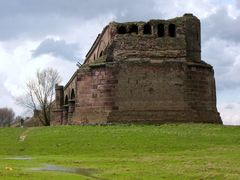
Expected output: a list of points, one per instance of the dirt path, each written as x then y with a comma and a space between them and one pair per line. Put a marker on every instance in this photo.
24, 134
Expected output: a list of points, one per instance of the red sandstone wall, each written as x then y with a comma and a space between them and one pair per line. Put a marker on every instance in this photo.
150, 87
166, 92
95, 95
200, 89
152, 93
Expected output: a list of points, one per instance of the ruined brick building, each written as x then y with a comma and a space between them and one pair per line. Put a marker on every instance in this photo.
148, 72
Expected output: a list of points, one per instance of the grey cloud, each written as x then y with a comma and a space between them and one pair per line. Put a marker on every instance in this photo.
57, 48
221, 25
35, 18
4, 93
237, 3
86, 9
2, 88
31, 27
220, 47
222, 54
229, 106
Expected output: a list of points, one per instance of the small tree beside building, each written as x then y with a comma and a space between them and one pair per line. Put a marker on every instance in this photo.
39, 94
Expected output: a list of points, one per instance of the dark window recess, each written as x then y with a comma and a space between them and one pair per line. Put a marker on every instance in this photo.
101, 54
72, 94
172, 30
122, 30
161, 30
66, 100
147, 29
133, 29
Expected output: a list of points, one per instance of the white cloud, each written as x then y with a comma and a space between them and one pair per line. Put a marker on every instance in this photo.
86, 32
199, 8
17, 66
222, 25
230, 113
225, 58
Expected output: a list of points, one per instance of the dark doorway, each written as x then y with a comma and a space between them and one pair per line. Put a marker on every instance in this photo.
161, 30
147, 29
133, 29
122, 30
172, 30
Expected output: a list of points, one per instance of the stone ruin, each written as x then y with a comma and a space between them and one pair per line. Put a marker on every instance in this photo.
148, 72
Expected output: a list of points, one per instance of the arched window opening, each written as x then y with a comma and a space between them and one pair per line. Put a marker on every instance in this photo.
66, 100
122, 30
133, 29
72, 94
147, 29
94, 57
101, 54
161, 30
172, 30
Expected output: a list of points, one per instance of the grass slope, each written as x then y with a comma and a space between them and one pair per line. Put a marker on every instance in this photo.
175, 151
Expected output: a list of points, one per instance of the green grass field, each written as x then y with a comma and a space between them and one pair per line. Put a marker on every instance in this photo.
171, 151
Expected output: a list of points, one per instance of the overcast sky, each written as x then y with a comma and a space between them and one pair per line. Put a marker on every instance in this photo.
35, 34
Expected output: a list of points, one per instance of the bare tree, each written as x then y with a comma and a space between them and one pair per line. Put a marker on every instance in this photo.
6, 116
40, 93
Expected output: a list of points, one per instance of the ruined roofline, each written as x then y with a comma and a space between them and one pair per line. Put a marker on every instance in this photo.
113, 28
152, 20
70, 80
99, 36
96, 42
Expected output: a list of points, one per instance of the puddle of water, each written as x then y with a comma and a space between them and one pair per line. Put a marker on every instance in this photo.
80, 171
19, 158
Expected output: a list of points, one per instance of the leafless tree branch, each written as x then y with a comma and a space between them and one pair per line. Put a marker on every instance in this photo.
39, 94
6, 116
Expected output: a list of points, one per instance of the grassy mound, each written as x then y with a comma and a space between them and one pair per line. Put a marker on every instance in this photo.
174, 151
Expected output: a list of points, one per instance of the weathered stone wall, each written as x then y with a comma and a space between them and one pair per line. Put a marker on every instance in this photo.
146, 92
56, 115
193, 38
95, 95
59, 101
125, 47
165, 92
